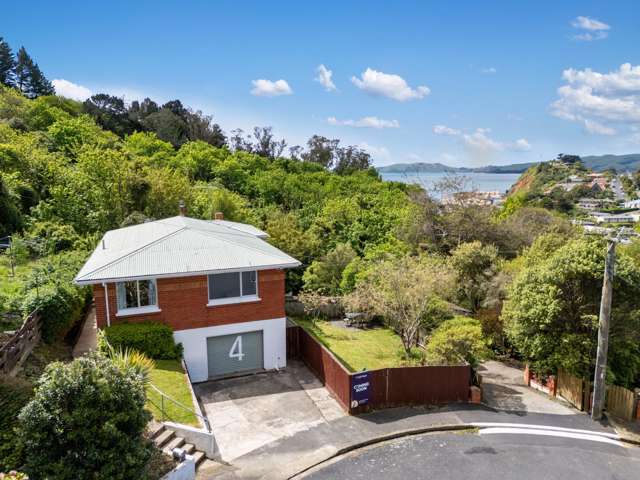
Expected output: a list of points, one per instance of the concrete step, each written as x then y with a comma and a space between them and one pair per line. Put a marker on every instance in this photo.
199, 457
162, 439
174, 443
156, 429
188, 448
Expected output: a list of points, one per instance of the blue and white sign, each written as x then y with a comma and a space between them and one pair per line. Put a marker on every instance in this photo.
360, 389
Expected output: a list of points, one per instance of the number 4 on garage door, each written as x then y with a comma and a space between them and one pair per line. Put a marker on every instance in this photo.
236, 349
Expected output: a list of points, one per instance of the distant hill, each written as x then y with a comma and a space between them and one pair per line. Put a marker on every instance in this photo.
597, 163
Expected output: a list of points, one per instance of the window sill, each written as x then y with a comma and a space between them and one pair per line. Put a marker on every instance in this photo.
137, 311
234, 300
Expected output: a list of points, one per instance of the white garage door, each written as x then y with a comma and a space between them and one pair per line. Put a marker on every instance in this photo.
239, 352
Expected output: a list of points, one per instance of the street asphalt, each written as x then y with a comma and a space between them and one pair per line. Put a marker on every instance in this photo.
522, 454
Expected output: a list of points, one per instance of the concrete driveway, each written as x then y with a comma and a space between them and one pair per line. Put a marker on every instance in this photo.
503, 388
249, 412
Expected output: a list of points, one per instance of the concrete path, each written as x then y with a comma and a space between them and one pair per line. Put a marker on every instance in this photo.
503, 388
88, 339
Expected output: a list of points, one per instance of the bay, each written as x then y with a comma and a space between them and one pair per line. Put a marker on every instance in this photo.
483, 182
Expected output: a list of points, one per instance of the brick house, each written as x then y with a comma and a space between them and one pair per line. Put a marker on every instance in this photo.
218, 284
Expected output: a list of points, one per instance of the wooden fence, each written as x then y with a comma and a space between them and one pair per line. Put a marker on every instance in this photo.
389, 387
20, 344
619, 401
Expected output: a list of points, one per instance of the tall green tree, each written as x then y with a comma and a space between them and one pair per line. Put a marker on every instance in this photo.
29, 79
551, 310
7, 64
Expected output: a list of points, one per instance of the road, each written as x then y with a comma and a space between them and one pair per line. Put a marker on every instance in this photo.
506, 452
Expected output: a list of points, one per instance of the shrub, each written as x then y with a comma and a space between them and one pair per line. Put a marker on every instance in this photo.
457, 341
14, 394
49, 290
151, 338
86, 421
60, 307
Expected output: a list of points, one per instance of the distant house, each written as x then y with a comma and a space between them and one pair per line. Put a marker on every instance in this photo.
216, 283
598, 184
628, 217
595, 203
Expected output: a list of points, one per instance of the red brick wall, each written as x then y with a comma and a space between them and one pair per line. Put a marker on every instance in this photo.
183, 303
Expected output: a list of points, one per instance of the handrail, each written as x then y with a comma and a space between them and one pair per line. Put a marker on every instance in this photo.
163, 395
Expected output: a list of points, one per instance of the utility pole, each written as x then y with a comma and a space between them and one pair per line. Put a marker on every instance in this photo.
599, 380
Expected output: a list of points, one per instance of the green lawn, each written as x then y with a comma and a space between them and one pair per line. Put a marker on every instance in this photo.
359, 349
169, 377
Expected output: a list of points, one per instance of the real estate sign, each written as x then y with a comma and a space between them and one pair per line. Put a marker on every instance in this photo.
360, 389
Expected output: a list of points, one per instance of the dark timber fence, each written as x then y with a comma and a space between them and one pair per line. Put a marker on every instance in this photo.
389, 387
20, 344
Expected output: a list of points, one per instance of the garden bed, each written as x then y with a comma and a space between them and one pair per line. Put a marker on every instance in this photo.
360, 349
169, 377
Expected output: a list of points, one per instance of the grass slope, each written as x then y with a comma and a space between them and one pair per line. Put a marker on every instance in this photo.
169, 377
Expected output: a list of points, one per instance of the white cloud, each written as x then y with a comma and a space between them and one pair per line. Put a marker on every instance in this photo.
591, 29
268, 88
69, 89
600, 101
388, 85
444, 130
381, 153
480, 141
489, 70
324, 77
364, 122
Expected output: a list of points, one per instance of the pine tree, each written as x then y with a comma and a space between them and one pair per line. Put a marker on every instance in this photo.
40, 85
29, 79
23, 69
7, 64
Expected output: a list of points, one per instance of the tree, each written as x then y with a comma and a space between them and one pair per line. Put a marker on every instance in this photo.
168, 126
455, 342
111, 113
551, 310
86, 420
351, 159
238, 142
402, 292
324, 275
265, 145
475, 265
7, 64
29, 79
23, 68
321, 150
201, 127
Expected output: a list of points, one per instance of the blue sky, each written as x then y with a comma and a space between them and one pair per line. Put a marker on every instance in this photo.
463, 83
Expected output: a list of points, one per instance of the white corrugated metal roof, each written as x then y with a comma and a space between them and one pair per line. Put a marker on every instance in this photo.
243, 227
180, 246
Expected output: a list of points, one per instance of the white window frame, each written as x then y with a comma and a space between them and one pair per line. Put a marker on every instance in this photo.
138, 310
212, 302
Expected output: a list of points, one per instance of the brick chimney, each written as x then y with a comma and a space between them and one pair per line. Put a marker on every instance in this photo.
183, 209
218, 216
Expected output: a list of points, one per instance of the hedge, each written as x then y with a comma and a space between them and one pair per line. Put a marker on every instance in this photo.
60, 308
14, 394
152, 338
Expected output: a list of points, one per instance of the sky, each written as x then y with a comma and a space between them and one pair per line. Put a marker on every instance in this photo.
464, 83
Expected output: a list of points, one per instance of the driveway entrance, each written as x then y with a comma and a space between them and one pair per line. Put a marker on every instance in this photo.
251, 411
503, 388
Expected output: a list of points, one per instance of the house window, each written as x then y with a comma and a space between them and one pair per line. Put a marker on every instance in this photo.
136, 295
233, 287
